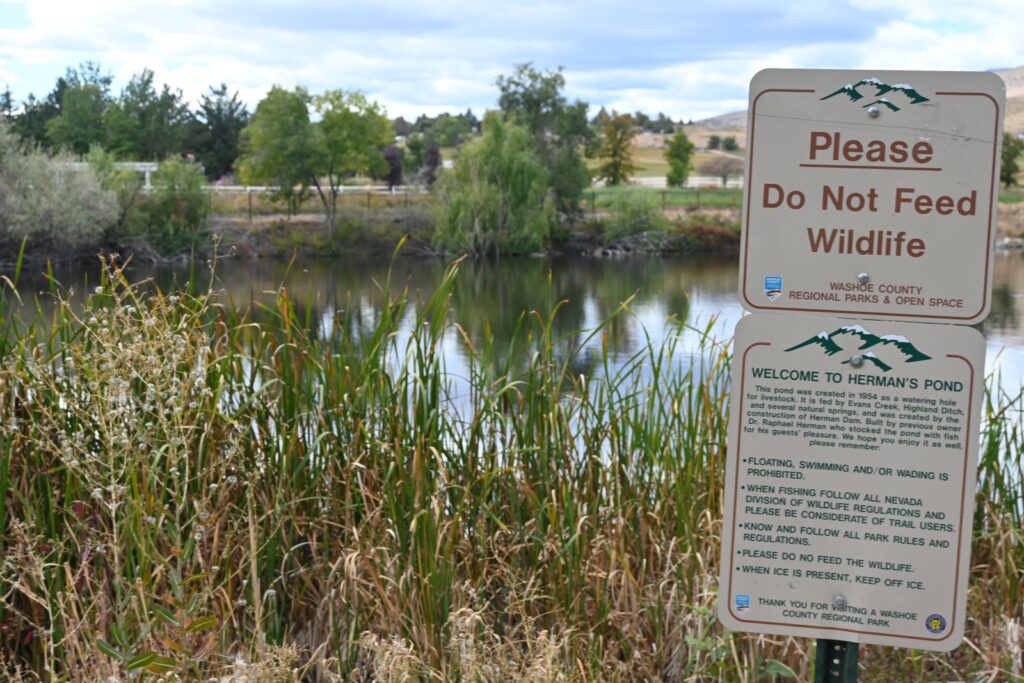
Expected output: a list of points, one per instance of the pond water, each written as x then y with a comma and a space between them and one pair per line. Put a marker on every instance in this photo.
489, 297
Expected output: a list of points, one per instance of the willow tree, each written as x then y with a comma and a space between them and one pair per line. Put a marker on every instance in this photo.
497, 198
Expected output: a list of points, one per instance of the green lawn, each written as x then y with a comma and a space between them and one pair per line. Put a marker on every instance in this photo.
650, 162
667, 198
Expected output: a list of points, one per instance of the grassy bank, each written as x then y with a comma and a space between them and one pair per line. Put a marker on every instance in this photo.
190, 490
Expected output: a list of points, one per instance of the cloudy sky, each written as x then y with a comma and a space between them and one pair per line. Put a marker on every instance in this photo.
689, 59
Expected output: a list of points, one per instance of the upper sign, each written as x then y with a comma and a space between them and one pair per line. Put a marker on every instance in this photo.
850, 479
872, 193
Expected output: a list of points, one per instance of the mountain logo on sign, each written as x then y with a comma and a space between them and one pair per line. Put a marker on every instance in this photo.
881, 88
856, 338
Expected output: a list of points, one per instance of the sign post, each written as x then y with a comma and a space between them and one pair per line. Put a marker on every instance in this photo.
835, 661
870, 201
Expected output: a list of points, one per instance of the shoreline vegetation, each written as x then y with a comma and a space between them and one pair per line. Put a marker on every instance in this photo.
193, 492
537, 174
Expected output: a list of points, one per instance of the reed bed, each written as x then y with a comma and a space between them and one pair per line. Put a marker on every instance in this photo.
190, 492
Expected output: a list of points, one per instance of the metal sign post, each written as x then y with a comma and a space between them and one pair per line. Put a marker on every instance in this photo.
835, 661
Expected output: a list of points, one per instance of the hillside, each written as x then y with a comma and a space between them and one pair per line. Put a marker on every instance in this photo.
1014, 79
1014, 121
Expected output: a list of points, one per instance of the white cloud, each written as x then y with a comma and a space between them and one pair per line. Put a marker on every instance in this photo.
690, 61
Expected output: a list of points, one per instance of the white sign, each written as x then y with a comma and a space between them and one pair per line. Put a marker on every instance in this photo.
872, 193
850, 480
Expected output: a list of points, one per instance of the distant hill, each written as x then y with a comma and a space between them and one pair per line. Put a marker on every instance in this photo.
1014, 121
732, 120
1014, 79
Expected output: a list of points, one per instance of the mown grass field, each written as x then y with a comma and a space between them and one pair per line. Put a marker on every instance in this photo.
673, 198
650, 162
189, 491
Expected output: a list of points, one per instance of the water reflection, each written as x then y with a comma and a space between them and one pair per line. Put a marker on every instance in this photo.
491, 298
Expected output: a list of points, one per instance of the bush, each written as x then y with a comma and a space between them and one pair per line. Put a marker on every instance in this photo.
49, 203
172, 218
633, 213
497, 199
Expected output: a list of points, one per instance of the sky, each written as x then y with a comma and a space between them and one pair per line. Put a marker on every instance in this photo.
689, 59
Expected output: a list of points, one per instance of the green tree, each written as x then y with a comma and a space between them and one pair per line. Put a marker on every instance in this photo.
30, 124
145, 125
175, 213
416, 147
279, 145
729, 144
679, 155
1013, 146
617, 149
497, 199
84, 100
350, 140
559, 130
600, 118
714, 142
452, 130
401, 126
215, 131
7, 105
282, 146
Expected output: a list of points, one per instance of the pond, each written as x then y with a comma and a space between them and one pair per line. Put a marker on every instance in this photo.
490, 297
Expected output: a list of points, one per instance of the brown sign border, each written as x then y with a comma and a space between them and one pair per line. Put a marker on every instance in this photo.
959, 542
920, 317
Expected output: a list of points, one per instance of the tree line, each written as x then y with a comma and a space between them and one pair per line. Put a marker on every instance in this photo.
141, 123
520, 172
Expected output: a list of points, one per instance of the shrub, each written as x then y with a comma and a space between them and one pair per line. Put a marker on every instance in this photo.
633, 213
50, 203
172, 218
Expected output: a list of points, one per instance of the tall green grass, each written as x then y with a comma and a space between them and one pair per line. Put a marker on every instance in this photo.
191, 490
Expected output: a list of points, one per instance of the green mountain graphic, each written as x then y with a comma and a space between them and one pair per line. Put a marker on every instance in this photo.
852, 92
822, 339
857, 338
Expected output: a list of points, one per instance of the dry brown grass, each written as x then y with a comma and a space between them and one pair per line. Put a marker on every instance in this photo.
193, 495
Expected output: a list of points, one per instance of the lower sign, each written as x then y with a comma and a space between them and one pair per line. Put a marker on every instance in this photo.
850, 480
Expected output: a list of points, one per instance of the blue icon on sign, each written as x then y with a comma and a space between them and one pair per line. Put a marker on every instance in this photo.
742, 603
773, 286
